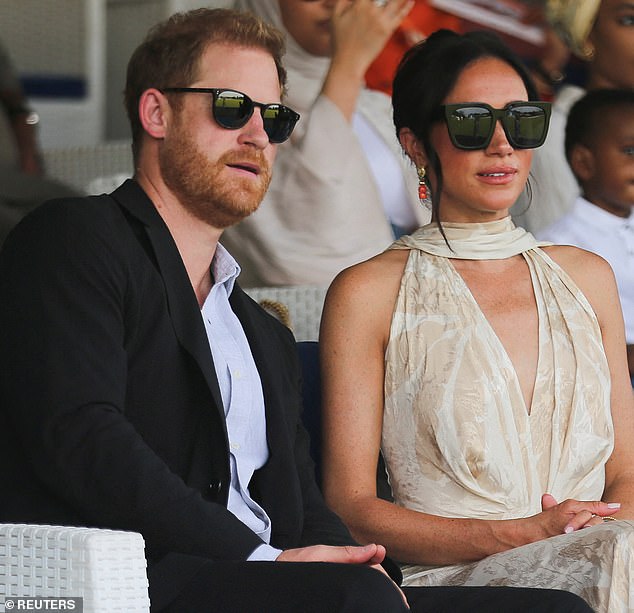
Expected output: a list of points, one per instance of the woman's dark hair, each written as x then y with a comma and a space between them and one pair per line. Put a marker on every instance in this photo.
429, 71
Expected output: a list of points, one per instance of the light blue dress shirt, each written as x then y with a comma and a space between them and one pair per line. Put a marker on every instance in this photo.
242, 397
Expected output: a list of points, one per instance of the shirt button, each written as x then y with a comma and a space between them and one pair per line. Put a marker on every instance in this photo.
214, 488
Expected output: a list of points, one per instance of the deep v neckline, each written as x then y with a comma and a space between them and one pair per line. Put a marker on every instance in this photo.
493, 240
495, 338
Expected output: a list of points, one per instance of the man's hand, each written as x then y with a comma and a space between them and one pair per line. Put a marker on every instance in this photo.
371, 555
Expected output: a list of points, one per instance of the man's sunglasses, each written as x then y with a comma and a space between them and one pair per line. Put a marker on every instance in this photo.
471, 124
232, 110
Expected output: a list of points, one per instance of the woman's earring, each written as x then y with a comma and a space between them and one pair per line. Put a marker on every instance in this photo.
423, 188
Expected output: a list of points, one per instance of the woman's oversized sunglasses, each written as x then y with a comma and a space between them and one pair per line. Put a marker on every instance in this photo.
471, 124
232, 110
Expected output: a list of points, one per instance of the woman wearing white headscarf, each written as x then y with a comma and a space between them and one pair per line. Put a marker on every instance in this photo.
341, 188
599, 32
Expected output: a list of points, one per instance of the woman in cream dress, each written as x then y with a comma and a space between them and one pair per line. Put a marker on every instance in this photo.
341, 185
489, 368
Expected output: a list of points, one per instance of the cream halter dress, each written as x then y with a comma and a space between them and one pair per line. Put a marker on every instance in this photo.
458, 438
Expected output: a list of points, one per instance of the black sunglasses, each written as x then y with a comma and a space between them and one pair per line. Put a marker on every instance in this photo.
471, 124
232, 110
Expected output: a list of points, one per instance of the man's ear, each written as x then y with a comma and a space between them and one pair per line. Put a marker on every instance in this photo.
154, 112
582, 162
413, 147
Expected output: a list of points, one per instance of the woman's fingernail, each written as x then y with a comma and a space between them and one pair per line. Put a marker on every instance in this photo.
568, 529
614, 505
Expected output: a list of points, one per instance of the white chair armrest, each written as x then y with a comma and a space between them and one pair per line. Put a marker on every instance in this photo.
107, 568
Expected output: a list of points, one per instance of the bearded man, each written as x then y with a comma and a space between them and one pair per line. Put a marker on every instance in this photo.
143, 390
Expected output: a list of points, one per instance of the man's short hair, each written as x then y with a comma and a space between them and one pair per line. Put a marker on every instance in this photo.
585, 119
170, 54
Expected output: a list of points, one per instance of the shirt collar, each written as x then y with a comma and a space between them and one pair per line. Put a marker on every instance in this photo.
224, 268
593, 213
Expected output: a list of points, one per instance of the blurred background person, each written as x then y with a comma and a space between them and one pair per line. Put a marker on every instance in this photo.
601, 33
546, 60
22, 181
22, 147
342, 190
600, 151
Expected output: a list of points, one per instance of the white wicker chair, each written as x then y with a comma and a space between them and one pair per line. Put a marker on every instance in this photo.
304, 304
91, 169
106, 568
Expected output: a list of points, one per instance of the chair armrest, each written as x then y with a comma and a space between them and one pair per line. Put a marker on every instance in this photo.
107, 568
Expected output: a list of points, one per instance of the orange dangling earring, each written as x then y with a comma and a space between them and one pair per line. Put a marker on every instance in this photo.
423, 188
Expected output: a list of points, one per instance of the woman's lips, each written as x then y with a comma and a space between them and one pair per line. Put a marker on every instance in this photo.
498, 175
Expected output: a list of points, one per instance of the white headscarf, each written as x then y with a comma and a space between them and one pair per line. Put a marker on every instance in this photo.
306, 72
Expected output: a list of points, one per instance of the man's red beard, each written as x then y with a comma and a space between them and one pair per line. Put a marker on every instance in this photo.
198, 182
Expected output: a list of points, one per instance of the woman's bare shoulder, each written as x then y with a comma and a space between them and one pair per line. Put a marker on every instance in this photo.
577, 261
368, 289
588, 270
378, 274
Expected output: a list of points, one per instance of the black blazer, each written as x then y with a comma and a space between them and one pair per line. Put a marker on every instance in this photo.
111, 414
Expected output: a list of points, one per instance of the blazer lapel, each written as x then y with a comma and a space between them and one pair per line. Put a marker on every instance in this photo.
181, 299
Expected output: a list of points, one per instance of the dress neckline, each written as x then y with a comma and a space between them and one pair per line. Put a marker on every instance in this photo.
491, 240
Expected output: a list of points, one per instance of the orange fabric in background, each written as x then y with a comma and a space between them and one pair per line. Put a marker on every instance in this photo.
420, 23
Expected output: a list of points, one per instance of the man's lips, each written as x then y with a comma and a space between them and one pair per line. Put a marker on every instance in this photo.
246, 166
